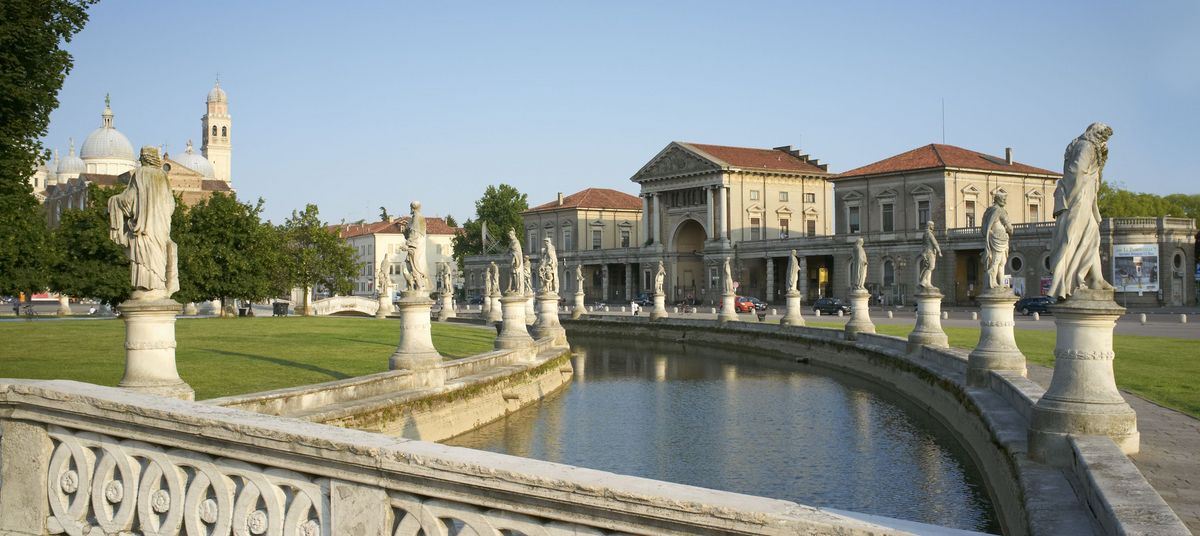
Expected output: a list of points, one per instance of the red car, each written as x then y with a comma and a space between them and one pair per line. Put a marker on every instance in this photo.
743, 304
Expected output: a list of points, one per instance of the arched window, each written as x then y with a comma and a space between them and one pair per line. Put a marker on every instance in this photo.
889, 273
214, 131
224, 133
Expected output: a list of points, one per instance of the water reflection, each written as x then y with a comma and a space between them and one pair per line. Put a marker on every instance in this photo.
748, 424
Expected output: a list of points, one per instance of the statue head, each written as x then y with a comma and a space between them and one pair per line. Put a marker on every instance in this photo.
415, 206
793, 253
858, 242
929, 225
1098, 132
998, 198
149, 156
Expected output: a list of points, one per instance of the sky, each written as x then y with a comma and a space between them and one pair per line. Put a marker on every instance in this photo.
358, 105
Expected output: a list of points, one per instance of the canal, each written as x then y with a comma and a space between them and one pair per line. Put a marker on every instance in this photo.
750, 424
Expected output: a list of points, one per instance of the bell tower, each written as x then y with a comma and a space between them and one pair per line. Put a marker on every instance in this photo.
217, 133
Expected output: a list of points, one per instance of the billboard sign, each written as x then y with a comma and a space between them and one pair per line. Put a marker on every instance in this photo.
1135, 267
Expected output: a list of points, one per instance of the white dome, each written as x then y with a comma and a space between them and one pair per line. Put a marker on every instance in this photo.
195, 162
72, 164
216, 94
106, 141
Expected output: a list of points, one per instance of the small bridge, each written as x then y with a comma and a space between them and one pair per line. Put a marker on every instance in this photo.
346, 305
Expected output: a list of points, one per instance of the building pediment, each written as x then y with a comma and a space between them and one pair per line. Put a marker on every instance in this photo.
853, 195
783, 211
673, 161
754, 208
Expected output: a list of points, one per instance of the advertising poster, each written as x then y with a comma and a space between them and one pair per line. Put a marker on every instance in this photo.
1135, 267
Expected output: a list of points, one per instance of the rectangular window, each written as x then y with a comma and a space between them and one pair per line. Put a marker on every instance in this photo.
567, 244
970, 213
811, 227
532, 240
810, 198
922, 213
853, 220
1033, 213
624, 238
754, 195
889, 217
783, 196
647, 279
596, 236
755, 229
783, 228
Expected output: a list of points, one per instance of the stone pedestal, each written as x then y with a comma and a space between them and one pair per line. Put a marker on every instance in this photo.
928, 330
578, 308
530, 310
485, 306
1083, 397
495, 311
997, 349
64, 306
547, 323
385, 306
860, 315
150, 348
793, 316
447, 311
515, 333
728, 308
660, 307
190, 309
415, 351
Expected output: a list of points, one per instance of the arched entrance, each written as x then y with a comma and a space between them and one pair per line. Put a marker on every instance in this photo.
687, 245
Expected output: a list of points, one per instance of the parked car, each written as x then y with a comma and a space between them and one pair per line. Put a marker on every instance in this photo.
644, 299
1035, 304
830, 306
743, 304
759, 305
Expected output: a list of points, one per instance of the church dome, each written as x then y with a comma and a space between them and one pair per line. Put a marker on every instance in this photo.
72, 164
195, 162
216, 94
106, 141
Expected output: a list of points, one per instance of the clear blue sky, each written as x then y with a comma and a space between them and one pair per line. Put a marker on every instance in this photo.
358, 105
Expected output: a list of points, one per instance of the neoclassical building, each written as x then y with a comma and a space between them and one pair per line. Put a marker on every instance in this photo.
372, 241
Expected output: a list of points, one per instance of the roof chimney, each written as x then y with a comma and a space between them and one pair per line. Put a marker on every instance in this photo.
1008, 155
784, 148
560, 199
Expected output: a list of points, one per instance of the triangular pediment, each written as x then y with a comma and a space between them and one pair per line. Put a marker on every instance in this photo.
886, 193
783, 210
674, 160
754, 208
970, 190
853, 195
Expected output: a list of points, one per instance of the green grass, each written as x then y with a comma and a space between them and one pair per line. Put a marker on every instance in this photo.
1160, 369
221, 357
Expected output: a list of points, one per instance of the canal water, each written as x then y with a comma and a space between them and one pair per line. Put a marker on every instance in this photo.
750, 424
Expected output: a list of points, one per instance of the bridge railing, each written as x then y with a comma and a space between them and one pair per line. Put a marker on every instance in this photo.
82, 459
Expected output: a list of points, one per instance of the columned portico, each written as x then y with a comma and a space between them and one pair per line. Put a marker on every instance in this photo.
645, 218
657, 216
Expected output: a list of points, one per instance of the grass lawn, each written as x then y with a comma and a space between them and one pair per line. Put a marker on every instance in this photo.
1163, 370
221, 357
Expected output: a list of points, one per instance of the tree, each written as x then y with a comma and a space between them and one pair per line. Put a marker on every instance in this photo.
501, 207
33, 66
314, 255
87, 262
450, 221
226, 251
383, 214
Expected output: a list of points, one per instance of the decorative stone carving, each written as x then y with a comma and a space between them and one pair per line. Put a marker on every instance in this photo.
793, 273
660, 276
676, 161
447, 292
140, 220
1075, 259
997, 231
494, 309
548, 269
416, 239
858, 267
728, 298
793, 316
383, 277
578, 308
516, 281
930, 251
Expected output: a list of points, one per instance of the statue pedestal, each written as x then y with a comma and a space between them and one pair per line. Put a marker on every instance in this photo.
150, 348
190, 309
793, 316
530, 310
928, 330
415, 351
997, 349
64, 306
385, 306
1083, 397
578, 308
860, 315
547, 323
485, 306
495, 311
660, 307
447, 311
515, 333
728, 309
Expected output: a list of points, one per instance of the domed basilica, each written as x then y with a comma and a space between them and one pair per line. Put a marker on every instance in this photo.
107, 158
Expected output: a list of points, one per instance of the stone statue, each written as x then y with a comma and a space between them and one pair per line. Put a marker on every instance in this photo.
487, 281
494, 277
996, 232
383, 279
516, 283
416, 249
659, 277
727, 273
793, 273
548, 271
858, 267
447, 278
527, 275
1075, 260
929, 254
407, 268
579, 278
140, 220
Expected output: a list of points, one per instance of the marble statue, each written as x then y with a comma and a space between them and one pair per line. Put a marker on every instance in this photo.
858, 267
793, 273
494, 277
516, 283
527, 275
996, 232
1075, 259
579, 278
487, 281
408, 268
930, 251
727, 273
383, 277
548, 271
447, 278
140, 220
416, 249
660, 276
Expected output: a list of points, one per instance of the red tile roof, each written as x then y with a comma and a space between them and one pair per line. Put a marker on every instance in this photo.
433, 226
773, 159
215, 185
104, 180
593, 198
937, 156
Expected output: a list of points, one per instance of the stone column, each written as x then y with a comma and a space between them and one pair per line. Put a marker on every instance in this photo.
579, 308
860, 314
547, 323
660, 307
728, 307
447, 311
802, 279
657, 221
709, 224
64, 305
1083, 398
604, 282
793, 316
770, 297
515, 333
645, 219
722, 213
150, 348
997, 348
628, 281
928, 331
415, 351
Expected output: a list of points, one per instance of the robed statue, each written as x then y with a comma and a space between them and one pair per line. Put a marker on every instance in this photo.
793, 273
548, 269
383, 277
858, 266
487, 281
447, 278
997, 231
416, 249
727, 274
578, 278
140, 220
930, 251
660, 277
516, 283
494, 277
1075, 259
527, 276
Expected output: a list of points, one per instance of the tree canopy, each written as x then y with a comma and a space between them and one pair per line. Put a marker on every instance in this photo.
86, 261
314, 255
1117, 202
227, 251
501, 207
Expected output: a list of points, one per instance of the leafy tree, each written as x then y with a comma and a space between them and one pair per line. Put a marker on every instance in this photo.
226, 251
33, 66
383, 214
314, 255
501, 207
87, 262
451, 221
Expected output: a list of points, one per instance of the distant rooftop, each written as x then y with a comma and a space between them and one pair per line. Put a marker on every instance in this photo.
433, 226
603, 198
780, 158
939, 156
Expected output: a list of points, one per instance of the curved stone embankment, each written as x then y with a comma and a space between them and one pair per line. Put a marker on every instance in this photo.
1103, 493
453, 398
